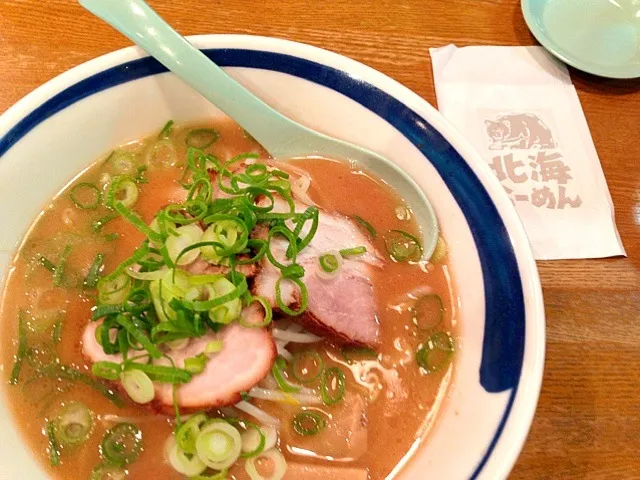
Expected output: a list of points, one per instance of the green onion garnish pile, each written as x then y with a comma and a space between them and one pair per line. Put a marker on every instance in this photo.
150, 299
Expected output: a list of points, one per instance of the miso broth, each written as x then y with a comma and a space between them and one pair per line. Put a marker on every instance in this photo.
370, 404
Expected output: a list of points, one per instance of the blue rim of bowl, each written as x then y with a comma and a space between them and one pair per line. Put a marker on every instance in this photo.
566, 56
504, 335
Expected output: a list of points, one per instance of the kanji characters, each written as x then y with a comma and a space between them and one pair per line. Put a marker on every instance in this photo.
551, 168
547, 170
508, 169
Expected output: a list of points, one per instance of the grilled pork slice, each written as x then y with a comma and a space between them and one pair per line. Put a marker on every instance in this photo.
201, 267
342, 307
246, 357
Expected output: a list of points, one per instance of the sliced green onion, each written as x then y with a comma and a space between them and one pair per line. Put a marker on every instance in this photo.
107, 472
85, 196
107, 370
307, 366
140, 178
174, 284
223, 475
123, 189
73, 424
275, 457
121, 444
265, 217
137, 222
225, 293
197, 161
253, 438
113, 291
166, 130
138, 386
186, 435
123, 342
147, 276
48, 264
277, 371
351, 252
227, 235
183, 462
311, 213
141, 252
196, 364
303, 297
201, 138
201, 189
186, 213
436, 352
293, 271
161, 154
280, 174
367, 225
22, 349
122, 162
402, 246
58, 274
91, 280
105, 310
54, 448
40, 355
308, 423
175, 345
242, 156
289, 235
428, 312
161, 373
213, 346
329, 263
101, 222
56, 333
332, 385
229, 310
268, 313
184, 237
137, 301
139, 335
357, 354
218, 445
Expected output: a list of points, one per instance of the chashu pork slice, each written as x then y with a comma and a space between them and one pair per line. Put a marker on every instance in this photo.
342, 307
246, 357
201, 267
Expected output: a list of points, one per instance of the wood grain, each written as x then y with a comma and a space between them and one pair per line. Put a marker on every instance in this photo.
588, 420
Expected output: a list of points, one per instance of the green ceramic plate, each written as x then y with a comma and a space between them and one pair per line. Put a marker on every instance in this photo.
601, 37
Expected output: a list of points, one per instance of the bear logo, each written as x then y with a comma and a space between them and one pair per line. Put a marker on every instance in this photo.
519, 131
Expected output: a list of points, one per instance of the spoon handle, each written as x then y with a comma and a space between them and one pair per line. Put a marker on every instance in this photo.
140, 23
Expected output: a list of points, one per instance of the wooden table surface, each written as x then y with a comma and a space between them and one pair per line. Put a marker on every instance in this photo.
588, 420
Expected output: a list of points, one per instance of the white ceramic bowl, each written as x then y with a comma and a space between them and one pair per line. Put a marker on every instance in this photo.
54, 132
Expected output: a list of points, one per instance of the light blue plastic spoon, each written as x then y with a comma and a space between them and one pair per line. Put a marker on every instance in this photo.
280, 136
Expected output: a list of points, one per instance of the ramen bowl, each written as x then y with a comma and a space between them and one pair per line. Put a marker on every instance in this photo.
484, 416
